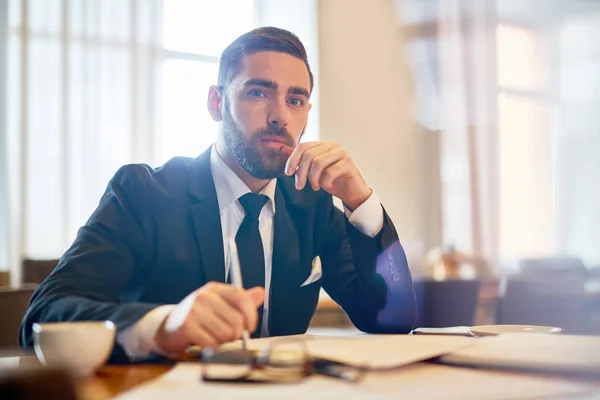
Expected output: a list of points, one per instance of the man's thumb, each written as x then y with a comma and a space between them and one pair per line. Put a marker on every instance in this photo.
257, 295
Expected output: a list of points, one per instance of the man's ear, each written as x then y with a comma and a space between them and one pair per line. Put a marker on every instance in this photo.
215, 96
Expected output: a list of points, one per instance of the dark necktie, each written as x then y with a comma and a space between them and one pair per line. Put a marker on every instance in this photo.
250, 247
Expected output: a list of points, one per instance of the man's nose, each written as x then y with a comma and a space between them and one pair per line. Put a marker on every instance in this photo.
278, 113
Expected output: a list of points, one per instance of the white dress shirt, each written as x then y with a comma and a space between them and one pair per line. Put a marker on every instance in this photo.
138, 340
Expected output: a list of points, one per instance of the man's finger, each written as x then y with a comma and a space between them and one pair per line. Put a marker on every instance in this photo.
305, 163
332, 173
257, 295
321, 163
210, 322
231, 315
197, 335
240, 299
296, 156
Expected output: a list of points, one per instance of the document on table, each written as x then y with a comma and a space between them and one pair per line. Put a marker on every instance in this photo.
435, 381
371, 351
417, 381
535, 352
184, 382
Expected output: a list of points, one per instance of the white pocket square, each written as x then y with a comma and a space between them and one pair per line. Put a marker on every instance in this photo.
315, 272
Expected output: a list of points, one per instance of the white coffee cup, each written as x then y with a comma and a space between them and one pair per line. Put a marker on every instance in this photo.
79, 347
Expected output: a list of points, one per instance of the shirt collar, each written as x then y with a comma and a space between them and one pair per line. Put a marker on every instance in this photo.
230, 187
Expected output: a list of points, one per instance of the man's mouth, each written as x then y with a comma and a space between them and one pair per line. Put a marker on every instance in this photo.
274, 141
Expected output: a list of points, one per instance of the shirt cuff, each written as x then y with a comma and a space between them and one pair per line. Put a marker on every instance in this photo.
138, 340
368, 217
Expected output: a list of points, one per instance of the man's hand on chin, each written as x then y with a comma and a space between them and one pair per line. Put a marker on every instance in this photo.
328, 166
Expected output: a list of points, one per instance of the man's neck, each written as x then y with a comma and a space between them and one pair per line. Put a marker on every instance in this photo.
253, 183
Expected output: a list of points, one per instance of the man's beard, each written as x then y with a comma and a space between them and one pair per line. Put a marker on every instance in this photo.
258, 160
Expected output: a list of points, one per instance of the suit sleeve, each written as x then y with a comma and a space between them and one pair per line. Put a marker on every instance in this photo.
367, 276
89, 278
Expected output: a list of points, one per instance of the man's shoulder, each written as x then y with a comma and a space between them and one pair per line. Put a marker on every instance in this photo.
169, 177
174, 168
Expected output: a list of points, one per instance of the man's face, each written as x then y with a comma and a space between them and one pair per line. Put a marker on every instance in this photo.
265, 108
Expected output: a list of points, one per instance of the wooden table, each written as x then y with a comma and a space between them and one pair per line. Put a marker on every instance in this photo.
421, 380
108, 381
114, 379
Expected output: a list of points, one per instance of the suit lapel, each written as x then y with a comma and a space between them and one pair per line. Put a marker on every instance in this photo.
285, 271
206, 218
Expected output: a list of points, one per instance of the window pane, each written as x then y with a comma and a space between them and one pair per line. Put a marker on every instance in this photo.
187, 128
14, 14
522, 60
115, 18
205, 26
45, 15
527, 207
579, 138
13, 130
44, 154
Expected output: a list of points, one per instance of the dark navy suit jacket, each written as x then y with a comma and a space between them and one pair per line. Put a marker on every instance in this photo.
156, 237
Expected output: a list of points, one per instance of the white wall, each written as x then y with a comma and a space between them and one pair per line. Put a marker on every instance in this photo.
365, 104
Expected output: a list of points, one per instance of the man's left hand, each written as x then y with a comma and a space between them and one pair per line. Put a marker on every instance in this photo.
328, 166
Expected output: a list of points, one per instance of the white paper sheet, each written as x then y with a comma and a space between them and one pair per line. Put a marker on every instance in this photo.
374, 351
432, 381
543, 352
183, 382
417, 381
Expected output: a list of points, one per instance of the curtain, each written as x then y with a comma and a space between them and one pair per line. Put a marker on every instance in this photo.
467, 97
82, 96
520, 136
578, 142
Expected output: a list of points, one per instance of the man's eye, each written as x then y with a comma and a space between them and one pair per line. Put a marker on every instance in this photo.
296, 102
256, 93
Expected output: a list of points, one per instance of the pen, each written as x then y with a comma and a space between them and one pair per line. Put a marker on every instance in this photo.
236, 280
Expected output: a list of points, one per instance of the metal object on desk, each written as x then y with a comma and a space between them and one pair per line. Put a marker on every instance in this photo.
286, 360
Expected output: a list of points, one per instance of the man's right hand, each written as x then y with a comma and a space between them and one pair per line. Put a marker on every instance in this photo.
216, 313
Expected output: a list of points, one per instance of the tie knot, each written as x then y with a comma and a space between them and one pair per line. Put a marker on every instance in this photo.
252, 204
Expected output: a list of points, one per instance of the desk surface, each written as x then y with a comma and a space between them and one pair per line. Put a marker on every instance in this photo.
112, 380
420, 380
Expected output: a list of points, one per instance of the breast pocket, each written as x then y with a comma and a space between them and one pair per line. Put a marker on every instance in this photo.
316, 272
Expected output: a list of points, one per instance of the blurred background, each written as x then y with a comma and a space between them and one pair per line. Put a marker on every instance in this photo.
476, 121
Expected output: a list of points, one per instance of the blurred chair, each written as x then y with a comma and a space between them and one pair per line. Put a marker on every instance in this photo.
543, 301
446, 303
566, 267
594, 271
35, 271
13, 305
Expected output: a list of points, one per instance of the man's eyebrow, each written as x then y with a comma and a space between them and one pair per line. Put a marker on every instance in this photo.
298, 90
261, 82
272, 85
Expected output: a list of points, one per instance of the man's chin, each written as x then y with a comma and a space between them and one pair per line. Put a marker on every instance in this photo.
269, 168
270, 153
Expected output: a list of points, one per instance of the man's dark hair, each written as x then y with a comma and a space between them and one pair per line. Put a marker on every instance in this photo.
260, 39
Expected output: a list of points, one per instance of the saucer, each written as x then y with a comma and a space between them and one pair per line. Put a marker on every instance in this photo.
492, 330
